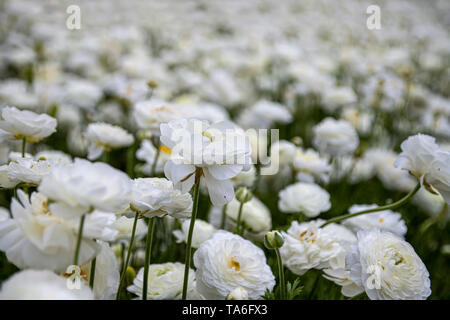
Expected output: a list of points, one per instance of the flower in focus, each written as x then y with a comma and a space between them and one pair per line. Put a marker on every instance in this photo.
227, 261
202, 232
165, 282
335, 137
307, 198
387, 267
41, 285
23, 124
103, 137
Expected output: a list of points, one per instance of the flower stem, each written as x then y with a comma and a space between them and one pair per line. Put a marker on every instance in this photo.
80, 235
191, 229
24, 142
155, 160
148, 253
92, 276
239, 220
224, 213
127, 260
391, 206
281, 274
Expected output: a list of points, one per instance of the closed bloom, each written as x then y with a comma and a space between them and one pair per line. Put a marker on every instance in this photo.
37, 238
221, 151
335, 137
202, 232
42, 285
307, 198
165, 282
158, 197
227, 261
82, 186
103, 137
384, 220
23, 124
387, 267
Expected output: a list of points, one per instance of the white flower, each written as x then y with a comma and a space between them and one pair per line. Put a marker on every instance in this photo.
202, 232
220, 151
227, 261
387, 267
238, 293
157, 197
24, 124
263, 114
107, 274
79, 187
41, 285
147, 153
54, 156
308, 246
362, 121
384, 220
335, 137
37, 238
309, 165
439, 175
4, 214
25, 170
429, 202
165, 282
105, 137
307, 198
124, 227
335, 97
418, 152
150, 114
245, 178
284, 151
255, 215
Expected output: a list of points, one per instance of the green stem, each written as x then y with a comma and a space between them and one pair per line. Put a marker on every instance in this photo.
148, 253
155, 160
24, 142
80, 235
391, 206
281, 274
92, 276
127, 260
191, 229
239, 222
224, 214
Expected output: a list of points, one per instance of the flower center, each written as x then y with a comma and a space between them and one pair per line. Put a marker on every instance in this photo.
234, 264
165, 149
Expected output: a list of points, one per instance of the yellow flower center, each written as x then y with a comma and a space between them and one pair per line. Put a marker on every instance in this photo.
165, 149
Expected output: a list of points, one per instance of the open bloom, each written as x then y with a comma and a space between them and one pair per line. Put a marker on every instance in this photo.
150, 114
24, 170
147, 153
202, 232
24, 124
37, 238
156, 197
335, 137
309, 165
103, 137
387, 267
307, 198
42, 285
221, 151
165, 282
82, 186
227, 261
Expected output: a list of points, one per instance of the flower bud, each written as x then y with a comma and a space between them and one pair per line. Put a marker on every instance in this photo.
130, 274
243, 195
273, 239
152, 84
238, 294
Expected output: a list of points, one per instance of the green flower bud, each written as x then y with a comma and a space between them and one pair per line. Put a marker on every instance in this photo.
243, 195
273, 239
130, 274
152, 84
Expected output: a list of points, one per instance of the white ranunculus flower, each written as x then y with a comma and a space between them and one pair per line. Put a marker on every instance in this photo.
227, 261
418, 152
25, 170
307, 198
4, 214
439, 174
107, 275
361, 120
147, 153
124, 226
385, 220
429, 202
158, 197
202, 232
284, 150
309, 165
165, 282
54, 156
387, 267
37, 238
245, 178
220, 151
150, 114
104, 137
308, 246
238, 293
336, 97
42, 285
24, 124
263, 114
82, 186
255, 215
335, 137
